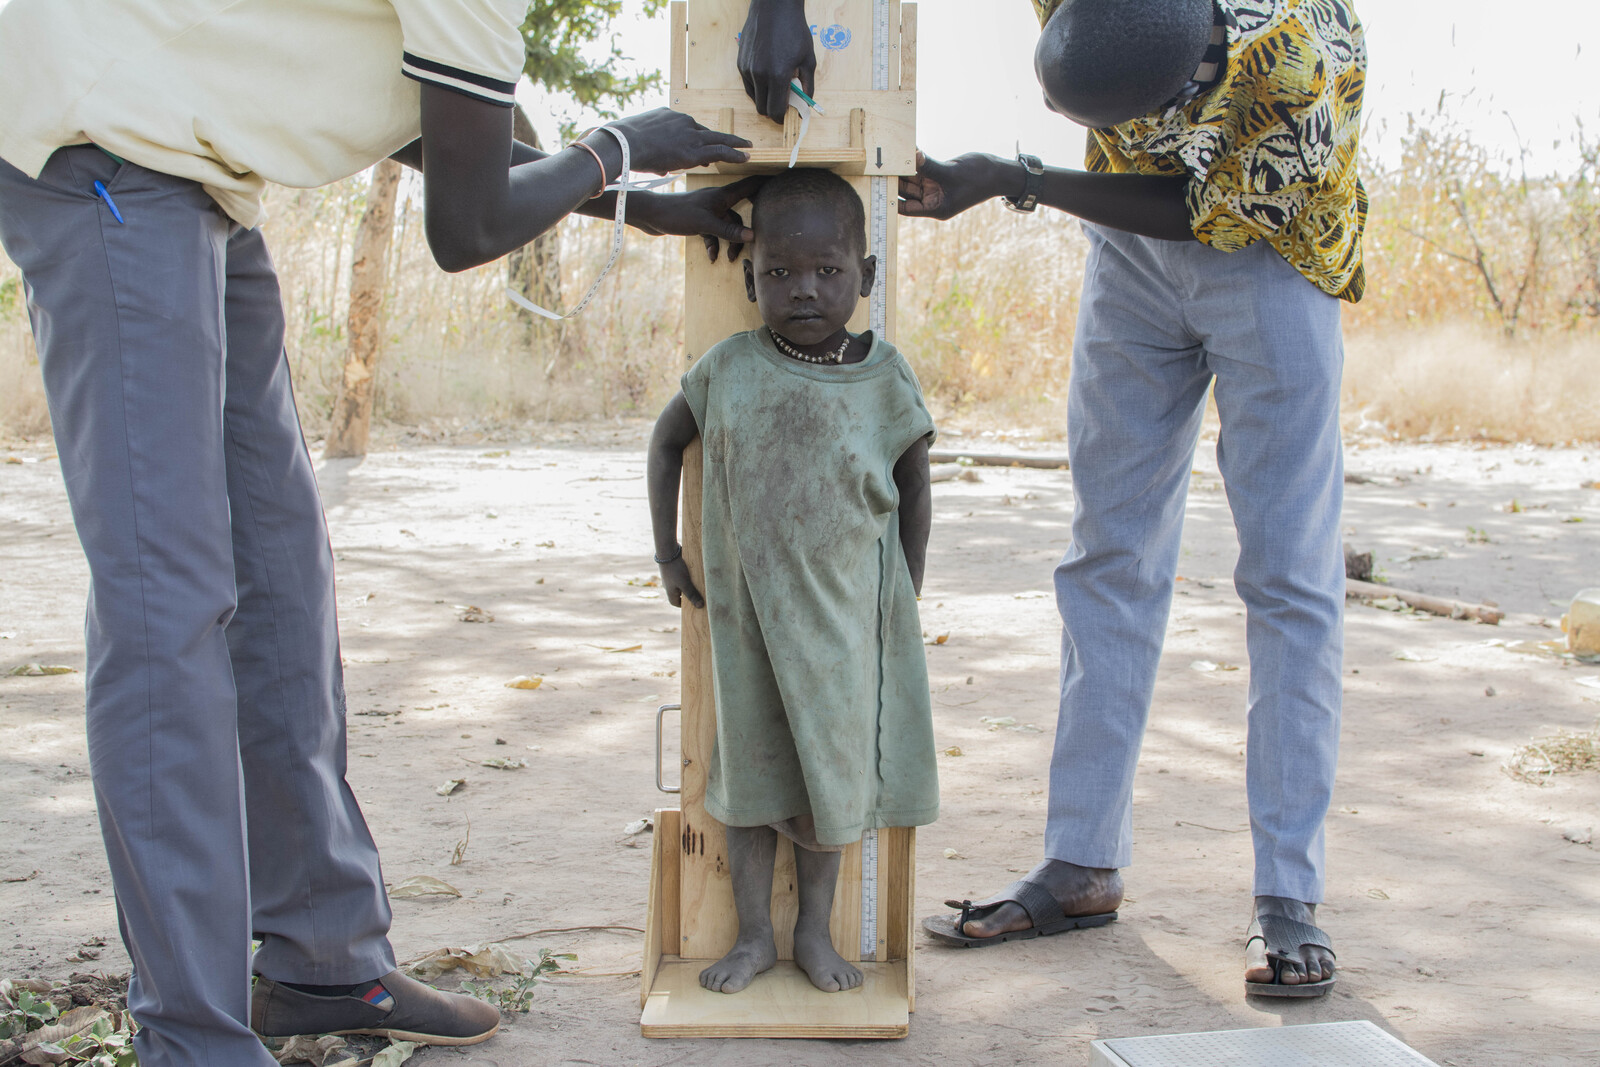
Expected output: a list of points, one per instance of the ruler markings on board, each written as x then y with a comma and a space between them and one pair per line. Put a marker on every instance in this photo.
879, 307
869, 895
879, 317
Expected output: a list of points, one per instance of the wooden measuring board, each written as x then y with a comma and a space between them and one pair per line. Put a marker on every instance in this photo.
782, 1002
866, 52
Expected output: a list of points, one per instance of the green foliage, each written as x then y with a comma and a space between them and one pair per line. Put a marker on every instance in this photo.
518, 996
107, 1043
555, 35
10, 294
102, 1045
25, 1014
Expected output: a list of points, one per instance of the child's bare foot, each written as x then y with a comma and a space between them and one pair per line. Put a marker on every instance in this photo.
748, 958
828, 971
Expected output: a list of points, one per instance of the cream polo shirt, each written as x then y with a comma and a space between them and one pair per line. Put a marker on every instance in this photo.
237, 93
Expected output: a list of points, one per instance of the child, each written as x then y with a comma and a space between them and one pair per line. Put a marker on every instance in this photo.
815, 518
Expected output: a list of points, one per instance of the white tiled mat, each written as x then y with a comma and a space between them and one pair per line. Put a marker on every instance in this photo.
1353, 1044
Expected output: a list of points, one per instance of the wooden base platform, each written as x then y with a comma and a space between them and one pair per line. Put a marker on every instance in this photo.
780, 1003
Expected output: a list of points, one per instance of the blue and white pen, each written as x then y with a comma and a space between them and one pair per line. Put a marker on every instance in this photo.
104, 194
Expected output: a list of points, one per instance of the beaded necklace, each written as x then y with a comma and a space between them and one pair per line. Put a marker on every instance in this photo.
790, 350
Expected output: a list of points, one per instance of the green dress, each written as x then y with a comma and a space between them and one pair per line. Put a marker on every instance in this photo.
821, 685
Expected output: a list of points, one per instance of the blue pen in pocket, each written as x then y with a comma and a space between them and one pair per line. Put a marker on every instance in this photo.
104, 194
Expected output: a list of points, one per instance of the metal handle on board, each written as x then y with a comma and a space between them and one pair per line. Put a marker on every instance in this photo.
661, 714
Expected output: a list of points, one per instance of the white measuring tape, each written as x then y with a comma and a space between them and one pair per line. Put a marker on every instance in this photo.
878, 309
869, 895
805, 105
879, 318
622, 186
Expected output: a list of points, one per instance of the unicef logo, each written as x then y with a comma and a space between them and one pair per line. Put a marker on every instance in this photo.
836, 38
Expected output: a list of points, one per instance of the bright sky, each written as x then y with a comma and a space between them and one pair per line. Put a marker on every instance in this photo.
1536, 62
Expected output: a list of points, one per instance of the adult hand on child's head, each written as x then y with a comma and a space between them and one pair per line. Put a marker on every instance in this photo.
679, 585
663, 140
705, 213
944, 190
775, 48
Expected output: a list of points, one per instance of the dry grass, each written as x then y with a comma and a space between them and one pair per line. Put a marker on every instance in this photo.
1453, 382
1560, 753
1482, 318
457, 347
22, 407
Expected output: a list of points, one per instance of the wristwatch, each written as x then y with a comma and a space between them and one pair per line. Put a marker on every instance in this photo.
1029, 200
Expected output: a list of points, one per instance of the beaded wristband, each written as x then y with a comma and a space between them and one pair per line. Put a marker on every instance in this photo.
672, 558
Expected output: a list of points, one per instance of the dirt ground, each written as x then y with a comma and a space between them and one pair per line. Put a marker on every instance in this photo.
1467, 924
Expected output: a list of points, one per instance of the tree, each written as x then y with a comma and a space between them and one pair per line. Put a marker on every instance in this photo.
369, 281
556, 34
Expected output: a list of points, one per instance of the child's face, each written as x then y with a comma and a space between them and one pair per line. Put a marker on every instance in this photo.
806, 272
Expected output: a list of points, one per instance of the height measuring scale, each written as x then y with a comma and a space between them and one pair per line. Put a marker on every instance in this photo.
879, 225
866, 132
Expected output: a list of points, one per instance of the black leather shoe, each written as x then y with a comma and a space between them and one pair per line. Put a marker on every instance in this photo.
411, 1012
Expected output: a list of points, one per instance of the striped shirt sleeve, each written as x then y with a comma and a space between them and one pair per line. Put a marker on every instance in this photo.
472, 47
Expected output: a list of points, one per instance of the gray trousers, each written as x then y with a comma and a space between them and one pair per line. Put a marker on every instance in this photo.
215, 696
1159, 322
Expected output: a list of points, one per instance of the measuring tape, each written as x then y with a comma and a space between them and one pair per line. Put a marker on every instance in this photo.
878, 315
619, 228
869, 895
879, 318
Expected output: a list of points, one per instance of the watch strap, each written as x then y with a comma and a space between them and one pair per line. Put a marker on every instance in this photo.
1029, 200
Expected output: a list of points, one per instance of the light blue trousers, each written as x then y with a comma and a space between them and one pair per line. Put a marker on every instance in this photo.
1160, 322
215, 695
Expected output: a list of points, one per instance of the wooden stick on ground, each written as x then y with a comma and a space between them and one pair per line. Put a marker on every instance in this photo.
998, 459
1450, 609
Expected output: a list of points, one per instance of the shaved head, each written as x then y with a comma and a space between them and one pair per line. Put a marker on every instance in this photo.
1103, 62
824, 188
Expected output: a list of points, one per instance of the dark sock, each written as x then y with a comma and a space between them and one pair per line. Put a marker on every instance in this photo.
330, 990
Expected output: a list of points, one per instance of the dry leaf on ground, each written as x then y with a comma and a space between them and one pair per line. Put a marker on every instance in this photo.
395, 1054
451, 786
43, 1045
480, 961
36, 670
523, 681
501, 763
423, 885
633, 834
325, 1051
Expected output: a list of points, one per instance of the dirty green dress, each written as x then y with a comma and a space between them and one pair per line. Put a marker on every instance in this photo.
821, 685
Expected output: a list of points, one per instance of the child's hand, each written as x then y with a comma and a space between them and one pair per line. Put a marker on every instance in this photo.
678, 585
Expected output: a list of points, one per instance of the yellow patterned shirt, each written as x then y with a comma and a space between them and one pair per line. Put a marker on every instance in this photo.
1271, 148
